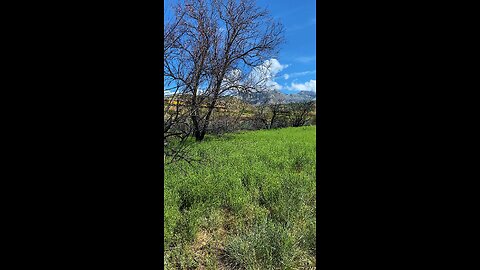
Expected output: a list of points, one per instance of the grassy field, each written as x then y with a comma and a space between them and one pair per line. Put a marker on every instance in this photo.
249, 204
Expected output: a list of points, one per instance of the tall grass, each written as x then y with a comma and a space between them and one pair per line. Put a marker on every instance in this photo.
248, 204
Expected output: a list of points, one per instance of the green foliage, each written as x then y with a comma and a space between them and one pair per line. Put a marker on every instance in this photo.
253, 192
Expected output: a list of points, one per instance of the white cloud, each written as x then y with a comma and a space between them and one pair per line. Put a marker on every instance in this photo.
233, 76
273, 85
286, 76
266, 73
273, 66
307, 86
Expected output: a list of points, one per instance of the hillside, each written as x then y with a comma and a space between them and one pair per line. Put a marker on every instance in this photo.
268, 97
276, 96
225, 103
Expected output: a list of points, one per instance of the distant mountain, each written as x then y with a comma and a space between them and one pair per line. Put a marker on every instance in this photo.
276, 96
308, 94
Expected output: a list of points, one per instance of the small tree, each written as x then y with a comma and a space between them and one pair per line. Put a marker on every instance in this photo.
300, 112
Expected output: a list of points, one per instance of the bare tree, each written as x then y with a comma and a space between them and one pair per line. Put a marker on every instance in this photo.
277, 108
229, 115
225, 44
300, 112
186, 63
261, 114
269, 111
176, 128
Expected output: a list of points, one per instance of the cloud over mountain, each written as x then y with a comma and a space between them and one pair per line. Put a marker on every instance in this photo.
267, 72
307, 86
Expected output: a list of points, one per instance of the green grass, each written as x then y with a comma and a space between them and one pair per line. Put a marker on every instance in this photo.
248, 204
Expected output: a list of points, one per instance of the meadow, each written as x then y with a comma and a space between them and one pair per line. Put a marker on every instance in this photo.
248, 202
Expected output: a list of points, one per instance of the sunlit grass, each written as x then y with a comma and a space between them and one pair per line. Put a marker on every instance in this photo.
248, 203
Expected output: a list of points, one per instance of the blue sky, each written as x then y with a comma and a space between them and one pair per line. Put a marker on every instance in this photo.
296, 67
298, 52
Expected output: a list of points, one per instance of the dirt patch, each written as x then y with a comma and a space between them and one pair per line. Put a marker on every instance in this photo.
209, 244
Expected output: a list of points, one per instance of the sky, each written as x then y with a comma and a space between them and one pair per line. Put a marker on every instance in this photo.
295, 66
